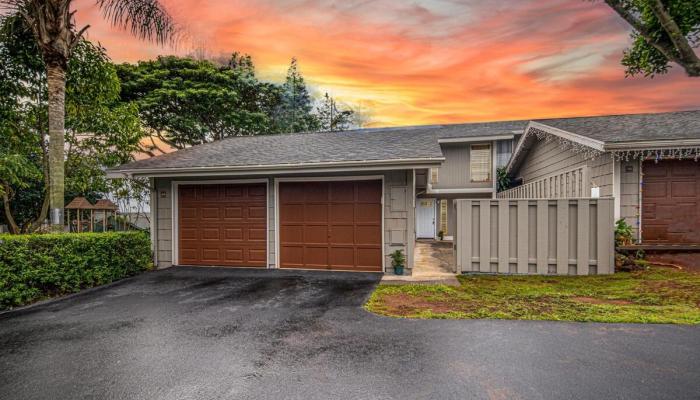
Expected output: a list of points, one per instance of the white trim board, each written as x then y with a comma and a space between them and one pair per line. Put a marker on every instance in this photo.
476, 139
277, 169
174, 186
324, 179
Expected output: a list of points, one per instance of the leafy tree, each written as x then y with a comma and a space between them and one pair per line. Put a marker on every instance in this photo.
294, 113
188, 102
101, 131
53, 27
665, 31
332, 118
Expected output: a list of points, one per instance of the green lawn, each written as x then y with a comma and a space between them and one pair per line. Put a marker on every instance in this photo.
658, 295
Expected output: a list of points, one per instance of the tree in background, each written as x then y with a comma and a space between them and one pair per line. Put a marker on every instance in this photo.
53, 27
331, 118
295, 111
665, 31
187, 102
101, 131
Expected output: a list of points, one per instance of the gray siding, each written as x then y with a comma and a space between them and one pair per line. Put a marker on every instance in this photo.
546, 158
454, 171
629, 194
399, 218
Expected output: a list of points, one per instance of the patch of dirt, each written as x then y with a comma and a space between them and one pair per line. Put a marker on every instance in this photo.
593, 300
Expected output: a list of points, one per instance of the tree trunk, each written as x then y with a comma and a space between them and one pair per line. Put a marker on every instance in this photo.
56, 78
11, 224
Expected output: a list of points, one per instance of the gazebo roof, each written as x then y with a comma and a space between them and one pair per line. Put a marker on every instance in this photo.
105, 204
79, 203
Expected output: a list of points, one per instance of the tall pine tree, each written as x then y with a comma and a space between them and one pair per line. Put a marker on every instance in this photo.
294, 114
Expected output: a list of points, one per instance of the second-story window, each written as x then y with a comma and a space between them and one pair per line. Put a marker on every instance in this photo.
433, 176
480, 162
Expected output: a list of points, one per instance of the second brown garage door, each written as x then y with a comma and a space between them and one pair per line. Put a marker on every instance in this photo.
671, 202
331, 225
222, 225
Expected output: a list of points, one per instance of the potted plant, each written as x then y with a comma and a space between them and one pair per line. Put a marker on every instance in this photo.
398, 260
441, 235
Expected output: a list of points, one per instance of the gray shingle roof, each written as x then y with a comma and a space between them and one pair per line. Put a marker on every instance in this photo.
633, 127
411, 142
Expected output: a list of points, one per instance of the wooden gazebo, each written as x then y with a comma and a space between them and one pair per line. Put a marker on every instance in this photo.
80, 206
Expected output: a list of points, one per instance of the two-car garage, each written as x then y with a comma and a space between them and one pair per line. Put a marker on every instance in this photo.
320, 224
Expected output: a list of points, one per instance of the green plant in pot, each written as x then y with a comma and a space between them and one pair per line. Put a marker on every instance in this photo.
441, 235
398, 261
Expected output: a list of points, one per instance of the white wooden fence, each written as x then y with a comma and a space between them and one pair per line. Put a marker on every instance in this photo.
573, 183
535, 236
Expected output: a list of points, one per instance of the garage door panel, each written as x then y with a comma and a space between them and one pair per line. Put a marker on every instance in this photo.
316, 256
210, 234
342, 257
342, 213
258, 212
683, 189
217, 227
656, 189
369, 191
210, 213
342, 192
316, 192
208, 192
369, 257
293, 234
233, 234
292, 255
368, 213
315, 234
342, 234
257, 234
234, 255
368, 235
670, 202
316, 213
340, 225
233, 212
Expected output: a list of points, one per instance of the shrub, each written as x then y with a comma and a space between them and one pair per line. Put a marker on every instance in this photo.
33, 267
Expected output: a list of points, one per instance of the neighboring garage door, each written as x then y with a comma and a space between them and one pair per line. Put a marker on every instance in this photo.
331, 225
223, 225
670, 206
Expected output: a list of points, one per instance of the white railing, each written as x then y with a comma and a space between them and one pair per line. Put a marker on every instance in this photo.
573, 183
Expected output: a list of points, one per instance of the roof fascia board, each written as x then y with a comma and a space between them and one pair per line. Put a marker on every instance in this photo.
274, 170
653, 144
573, 137
476, 139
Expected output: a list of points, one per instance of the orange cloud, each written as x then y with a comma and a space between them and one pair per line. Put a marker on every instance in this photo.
428, 61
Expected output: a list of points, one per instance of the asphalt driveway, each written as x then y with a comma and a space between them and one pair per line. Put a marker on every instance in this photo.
188, 333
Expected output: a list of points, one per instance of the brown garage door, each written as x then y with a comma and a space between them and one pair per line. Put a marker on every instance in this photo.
670, 206
331, 225
222, 225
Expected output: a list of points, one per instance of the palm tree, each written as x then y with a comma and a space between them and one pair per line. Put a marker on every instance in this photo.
53, 25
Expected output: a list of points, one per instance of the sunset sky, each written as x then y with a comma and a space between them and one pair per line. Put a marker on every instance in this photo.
427, 61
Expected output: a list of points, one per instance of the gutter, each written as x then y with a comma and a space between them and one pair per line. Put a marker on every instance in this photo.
653, 144
475, 139
270, 168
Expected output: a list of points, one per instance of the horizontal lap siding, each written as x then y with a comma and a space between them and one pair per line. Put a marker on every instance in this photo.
547, 158
564, 237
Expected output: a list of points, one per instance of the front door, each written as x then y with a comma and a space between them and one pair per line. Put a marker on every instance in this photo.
425, 218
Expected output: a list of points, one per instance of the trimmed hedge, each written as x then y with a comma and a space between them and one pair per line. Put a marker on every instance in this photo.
33, 267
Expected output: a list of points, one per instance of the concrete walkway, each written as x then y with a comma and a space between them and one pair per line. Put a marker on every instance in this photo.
433, 263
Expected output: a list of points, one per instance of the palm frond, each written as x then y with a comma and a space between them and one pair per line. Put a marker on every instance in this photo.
145, 19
